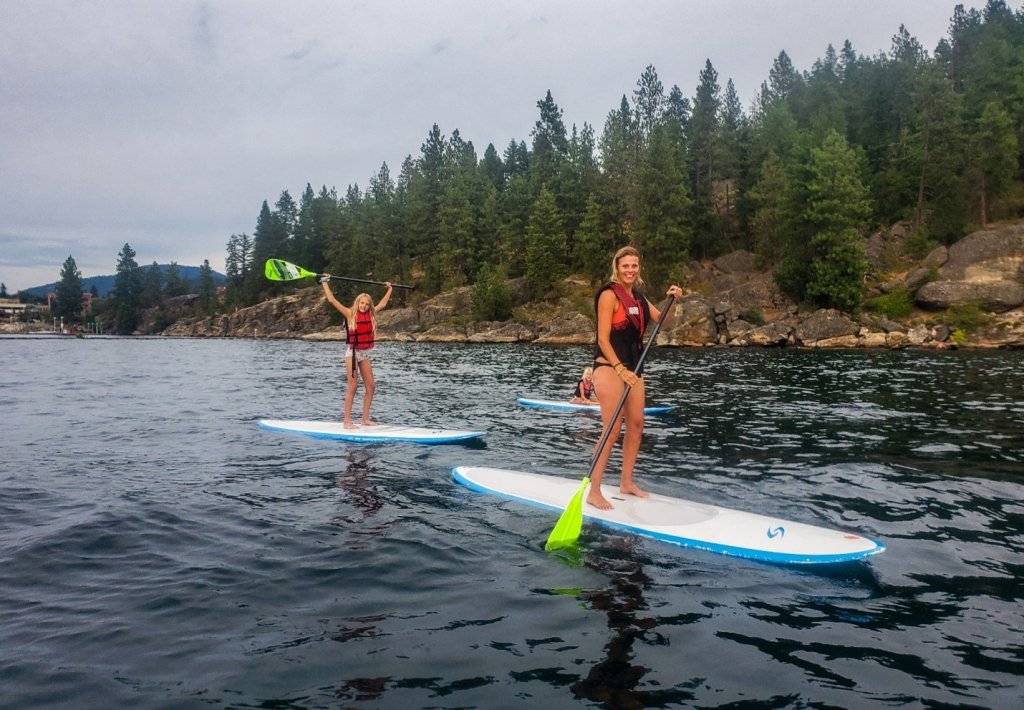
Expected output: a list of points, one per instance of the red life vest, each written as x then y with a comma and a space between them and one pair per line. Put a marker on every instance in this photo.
361, 337
628, 324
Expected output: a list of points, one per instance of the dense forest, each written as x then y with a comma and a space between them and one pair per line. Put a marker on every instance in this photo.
819, 158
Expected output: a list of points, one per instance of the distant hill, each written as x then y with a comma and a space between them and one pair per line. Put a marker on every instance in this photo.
105, 284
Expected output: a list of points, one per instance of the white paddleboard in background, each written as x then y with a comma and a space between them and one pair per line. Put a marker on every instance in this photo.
682, 522
574, 407
369, 434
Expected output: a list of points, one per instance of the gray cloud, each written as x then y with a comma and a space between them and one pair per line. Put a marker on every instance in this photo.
166, 124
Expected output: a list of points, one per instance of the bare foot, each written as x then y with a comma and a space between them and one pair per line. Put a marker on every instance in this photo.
634, 490
369, 422
597, 500
347, 424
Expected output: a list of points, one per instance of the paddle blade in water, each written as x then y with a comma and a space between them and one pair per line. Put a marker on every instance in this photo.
278, 270
567, 530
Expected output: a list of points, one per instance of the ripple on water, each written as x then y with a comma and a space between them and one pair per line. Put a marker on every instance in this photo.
158, 549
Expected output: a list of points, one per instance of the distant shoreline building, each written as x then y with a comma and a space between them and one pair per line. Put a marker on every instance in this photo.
51, 297
12, 308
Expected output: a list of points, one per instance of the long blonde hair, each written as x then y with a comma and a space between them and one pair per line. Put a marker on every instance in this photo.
624, 251
351, 322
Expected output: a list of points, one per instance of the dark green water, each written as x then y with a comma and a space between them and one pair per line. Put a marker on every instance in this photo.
158, 550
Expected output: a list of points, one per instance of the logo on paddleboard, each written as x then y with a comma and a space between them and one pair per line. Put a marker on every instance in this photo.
776, 532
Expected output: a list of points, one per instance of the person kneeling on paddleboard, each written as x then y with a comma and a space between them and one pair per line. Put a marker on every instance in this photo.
623, 313
361, 327
584, 392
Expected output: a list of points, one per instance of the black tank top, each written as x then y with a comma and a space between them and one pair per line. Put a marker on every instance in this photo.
626, 339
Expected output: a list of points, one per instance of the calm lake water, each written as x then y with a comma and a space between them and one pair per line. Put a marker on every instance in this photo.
157, 549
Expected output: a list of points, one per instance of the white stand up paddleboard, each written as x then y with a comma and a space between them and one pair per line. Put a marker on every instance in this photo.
682, 522
574, 407
369, 434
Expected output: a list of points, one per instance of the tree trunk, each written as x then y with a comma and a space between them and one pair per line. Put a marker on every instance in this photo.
984, 202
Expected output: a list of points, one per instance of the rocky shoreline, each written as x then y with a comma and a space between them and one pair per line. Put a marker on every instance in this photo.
730, 303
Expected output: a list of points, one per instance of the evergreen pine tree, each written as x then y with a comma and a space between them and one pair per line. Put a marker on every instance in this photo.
677, 107
545, 245
649, 99
286, 216
550, 145
491, 296
662, 225
304, 233
995, 154
704, 141
784, 82
492, 167
619, 147
233, 263
594, 245
774, 214
267, 243
174, 284
152, 285
127, 292
68, 303
207, 289
837, 210
514, 209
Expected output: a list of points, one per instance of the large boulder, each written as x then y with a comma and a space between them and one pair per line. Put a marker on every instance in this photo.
895, 340
886, 246
694, 324
823, 324
918, 335
987, 255
936, 258
916, 278
444, 306
997, 295
333, 333
396, 320
873, 340
567, 329
499, 332
843, 341
442, 334
758, 291
736, 262
738, 327
772, 334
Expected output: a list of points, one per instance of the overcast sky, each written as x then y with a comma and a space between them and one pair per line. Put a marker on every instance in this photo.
166, 124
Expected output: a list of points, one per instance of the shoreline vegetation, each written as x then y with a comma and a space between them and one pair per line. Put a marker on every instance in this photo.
968, 295
867, 200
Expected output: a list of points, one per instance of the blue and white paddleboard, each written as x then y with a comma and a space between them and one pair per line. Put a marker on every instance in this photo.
573, 407
682, 522
379, 433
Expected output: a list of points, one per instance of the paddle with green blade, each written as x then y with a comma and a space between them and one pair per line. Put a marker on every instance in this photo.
281, 270
567, 530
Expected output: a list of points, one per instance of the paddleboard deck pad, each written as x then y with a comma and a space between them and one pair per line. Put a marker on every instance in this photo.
682, 522
574, 407
380, 433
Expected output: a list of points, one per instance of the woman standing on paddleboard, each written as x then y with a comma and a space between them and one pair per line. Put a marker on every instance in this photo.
362, 328
623, 313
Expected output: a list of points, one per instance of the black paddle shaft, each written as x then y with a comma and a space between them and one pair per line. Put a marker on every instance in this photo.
368, 281
625, 392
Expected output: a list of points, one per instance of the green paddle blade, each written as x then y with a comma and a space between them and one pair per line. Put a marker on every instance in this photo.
278, 270
567, 530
